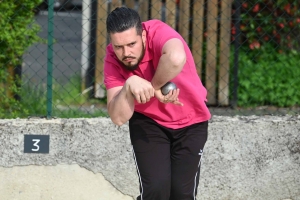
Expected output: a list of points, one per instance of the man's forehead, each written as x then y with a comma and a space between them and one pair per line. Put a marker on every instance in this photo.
126, 33
125, 37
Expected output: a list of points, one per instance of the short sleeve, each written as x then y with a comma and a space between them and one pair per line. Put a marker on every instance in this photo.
112, 70
161, 34
112, 76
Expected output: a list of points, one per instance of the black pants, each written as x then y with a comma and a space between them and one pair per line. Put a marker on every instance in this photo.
167, 160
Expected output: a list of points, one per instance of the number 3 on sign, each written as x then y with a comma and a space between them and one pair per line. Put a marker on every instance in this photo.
36, 143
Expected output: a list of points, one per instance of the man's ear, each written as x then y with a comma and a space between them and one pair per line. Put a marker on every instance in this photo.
144, 36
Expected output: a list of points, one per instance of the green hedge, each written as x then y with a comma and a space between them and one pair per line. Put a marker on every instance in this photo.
267, 77
18, 32
268, 60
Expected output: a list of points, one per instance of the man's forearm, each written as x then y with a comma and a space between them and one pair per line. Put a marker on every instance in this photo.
121, 107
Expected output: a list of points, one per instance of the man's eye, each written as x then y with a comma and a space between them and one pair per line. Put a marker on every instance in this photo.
132, 44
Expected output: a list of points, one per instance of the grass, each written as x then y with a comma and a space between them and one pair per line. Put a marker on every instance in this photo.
67, 101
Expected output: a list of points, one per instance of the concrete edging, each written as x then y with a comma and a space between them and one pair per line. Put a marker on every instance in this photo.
245, 157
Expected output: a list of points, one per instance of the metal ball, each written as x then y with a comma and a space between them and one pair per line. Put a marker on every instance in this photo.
168, 87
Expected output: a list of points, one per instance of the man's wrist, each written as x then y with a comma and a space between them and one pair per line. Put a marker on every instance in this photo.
128, 92
154, 86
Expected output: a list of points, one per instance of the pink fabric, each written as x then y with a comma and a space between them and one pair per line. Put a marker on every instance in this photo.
192, 93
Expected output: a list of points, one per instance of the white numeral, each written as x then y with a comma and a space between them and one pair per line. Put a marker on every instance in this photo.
36, 141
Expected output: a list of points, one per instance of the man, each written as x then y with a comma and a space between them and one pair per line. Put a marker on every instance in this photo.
168, 133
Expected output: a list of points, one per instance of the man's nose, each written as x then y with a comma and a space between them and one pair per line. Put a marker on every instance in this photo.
126, 51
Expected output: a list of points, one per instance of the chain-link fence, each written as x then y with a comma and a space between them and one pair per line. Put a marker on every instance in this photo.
246, 54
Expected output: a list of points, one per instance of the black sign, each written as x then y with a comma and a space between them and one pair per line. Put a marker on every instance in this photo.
36, 143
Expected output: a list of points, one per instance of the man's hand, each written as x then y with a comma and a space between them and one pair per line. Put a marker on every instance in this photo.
140, 88
171, 97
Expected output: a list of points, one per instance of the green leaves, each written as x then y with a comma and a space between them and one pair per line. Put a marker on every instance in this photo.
270, 22
267, 77
18, 32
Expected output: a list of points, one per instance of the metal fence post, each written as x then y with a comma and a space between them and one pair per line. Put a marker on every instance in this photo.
237, 46
50, 58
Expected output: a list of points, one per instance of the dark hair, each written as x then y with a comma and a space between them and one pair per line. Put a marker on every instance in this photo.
122, 19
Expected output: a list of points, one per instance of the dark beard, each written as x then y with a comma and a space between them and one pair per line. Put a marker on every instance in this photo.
134, 67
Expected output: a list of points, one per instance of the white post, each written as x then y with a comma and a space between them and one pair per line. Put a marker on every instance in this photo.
85, 40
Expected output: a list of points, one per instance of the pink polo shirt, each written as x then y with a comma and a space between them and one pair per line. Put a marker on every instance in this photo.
192, 93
